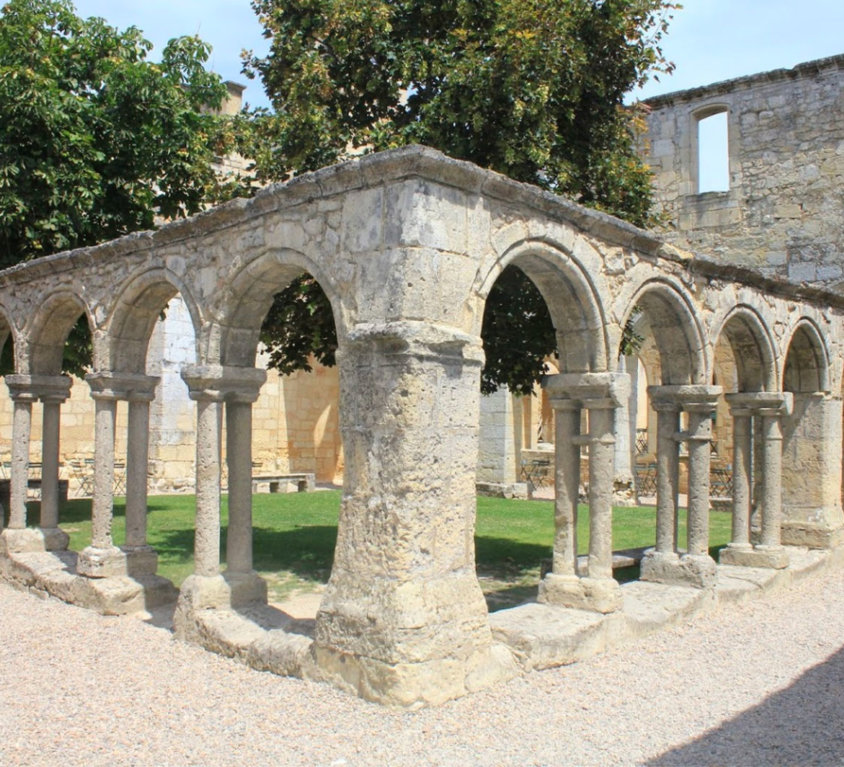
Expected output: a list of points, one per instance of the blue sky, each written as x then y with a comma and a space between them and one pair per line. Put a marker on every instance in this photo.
708, 40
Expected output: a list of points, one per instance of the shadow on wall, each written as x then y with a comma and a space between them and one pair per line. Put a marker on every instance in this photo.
802, 724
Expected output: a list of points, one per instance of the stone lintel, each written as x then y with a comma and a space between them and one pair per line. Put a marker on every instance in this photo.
110, 385
221, 383
590, 390
422, 340
34, 387
772, 402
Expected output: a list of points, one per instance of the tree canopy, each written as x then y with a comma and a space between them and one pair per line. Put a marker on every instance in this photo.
531, 88
96, 141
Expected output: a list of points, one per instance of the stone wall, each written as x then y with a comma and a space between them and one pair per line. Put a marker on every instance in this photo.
784, 211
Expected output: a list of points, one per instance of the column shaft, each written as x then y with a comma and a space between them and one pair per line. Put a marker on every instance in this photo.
771, 479
207, 543
50, 464
21, 429
567, 482
239, 457
742, 451
102, 508
700, 434
601, 455
137, 460
667, 465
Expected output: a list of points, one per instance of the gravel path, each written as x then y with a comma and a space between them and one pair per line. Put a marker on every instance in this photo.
755, 685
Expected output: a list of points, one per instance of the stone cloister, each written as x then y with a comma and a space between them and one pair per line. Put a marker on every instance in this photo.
407, 245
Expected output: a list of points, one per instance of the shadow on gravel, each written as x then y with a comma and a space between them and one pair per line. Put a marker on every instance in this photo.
803, 724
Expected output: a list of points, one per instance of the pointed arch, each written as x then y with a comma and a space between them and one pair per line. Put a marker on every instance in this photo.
47, 333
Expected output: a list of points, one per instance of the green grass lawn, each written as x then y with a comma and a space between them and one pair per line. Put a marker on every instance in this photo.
295, 533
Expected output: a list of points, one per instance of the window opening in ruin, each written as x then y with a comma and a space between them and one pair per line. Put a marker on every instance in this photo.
713, 153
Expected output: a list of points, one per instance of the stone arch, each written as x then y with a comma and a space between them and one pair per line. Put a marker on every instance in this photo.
753, 349
139, 304
571, 297
48, 331
806, 367
245, 304
676, 329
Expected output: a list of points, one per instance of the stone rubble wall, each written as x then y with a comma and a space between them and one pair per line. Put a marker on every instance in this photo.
784, 211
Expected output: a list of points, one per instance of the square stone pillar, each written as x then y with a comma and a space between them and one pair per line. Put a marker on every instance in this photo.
811, 472
211, 386
24, 390
403, 619
693, 567
600, 394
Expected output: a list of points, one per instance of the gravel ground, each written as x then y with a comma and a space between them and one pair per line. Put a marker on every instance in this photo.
753, 685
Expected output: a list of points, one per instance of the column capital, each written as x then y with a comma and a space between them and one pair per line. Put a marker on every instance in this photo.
223, 383
33, 387
110, 385
589, 390
770, 403
689, 397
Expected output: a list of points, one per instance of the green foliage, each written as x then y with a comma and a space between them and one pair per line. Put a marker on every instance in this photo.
298, 325
517, 333
96, 141
531, 88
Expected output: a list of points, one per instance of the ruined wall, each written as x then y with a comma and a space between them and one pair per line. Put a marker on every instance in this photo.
784, 211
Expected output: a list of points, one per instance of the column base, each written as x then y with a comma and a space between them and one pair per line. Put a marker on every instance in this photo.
745, 555
140, 560
30, 539
602, 595
222, 592
95, 562
698, 571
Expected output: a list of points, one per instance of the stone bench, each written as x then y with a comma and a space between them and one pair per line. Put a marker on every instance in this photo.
305, 482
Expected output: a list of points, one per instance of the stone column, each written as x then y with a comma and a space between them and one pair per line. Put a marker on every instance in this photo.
624, 486
697, 560
55, 539
767, 408
403, 619
239, 456
210, 386
664, 565
102, 558
141, 558
664, 558
19, 479
24, 390
600, 394
567, 485
742, 481
770, 548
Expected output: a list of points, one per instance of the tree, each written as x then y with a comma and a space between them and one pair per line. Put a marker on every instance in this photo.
96, 141
531, 88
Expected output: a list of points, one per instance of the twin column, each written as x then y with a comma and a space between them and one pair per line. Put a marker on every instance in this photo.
598, 395
213, 386
24, 391
664, 563
102, 558
757, 414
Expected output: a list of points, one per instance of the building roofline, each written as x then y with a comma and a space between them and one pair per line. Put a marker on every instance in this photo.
806, 69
